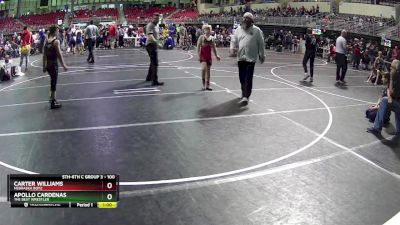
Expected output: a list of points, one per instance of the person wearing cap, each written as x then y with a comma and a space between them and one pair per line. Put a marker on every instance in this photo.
249, 40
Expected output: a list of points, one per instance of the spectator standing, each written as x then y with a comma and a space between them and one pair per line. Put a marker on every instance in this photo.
42, 38
341, 58
26, 44
311, 48
356, 56
90, 35
113, 34
121, 34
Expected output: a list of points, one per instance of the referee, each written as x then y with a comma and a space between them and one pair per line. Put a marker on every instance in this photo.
341, 58
152, 44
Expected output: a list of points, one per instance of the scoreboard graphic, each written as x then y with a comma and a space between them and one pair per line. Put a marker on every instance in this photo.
63, 191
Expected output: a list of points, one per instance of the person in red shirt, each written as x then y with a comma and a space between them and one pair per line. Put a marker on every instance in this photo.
26, 42
113, 34
357, 56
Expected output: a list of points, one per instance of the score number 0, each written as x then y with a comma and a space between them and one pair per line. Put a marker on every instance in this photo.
109, 186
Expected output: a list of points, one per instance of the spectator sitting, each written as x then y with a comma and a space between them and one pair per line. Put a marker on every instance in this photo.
377, 71
168, 44
365, 61
392, 100
8, 67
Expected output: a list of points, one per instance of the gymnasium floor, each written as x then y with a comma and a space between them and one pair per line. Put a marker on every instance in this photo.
299, 154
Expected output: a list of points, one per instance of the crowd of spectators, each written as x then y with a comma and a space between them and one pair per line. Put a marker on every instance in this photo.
37, 21
99, 13
10, 25
132, 13
185, 15
262, 13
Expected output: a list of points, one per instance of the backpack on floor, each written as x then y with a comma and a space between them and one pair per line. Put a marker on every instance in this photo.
370, 113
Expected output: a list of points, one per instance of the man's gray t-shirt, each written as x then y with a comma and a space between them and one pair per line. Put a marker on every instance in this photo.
151, 28
91, 32
341, 45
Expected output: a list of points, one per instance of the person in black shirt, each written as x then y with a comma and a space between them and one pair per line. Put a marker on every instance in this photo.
51, 55
391, 102
311, 48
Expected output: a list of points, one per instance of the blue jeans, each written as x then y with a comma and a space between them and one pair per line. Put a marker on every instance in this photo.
384, 106
22, 60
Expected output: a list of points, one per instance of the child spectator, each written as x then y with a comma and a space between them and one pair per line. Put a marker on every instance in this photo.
365, 61
79, 42
356, 56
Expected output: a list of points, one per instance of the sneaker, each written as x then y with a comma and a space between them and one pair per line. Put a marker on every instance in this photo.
342, 81
372, 130
337, 82
209, 89
55, 105
158, 83
311, 80
306, 77
244, 101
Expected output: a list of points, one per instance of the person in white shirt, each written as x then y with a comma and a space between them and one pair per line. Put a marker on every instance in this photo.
341, 58
8, 66
249, 40
91, 33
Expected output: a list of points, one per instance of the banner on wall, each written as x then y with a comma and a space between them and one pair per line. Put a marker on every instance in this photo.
44, 3
80, 7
